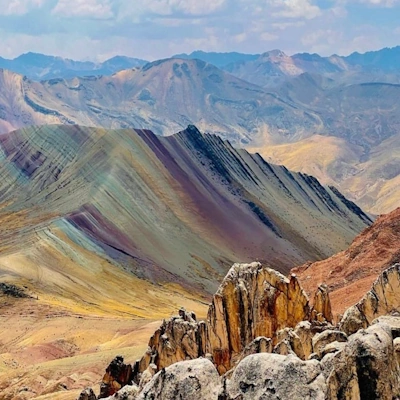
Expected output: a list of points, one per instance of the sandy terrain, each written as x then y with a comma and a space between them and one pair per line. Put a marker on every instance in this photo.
51, 353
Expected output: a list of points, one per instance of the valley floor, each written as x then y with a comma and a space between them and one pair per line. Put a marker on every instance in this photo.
51, 353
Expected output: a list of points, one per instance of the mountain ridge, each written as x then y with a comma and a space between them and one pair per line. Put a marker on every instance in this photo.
197, 176
349, 273
39, 66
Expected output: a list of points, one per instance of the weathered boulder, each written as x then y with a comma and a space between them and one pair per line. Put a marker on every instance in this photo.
147, 376
189, 380
321, 340
252, 301
87, 394
117, 376
393, 321
366, 368
353, 320
382, 299
272, 376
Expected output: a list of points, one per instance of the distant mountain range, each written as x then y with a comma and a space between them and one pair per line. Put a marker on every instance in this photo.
337, 118
41, 67
274, 67
164, 96
220, 60
267, 69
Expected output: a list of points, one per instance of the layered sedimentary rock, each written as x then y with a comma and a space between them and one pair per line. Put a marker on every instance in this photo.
122, 224
112, 197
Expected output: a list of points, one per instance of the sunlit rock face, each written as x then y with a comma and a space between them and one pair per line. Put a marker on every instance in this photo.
252, 301
255, 310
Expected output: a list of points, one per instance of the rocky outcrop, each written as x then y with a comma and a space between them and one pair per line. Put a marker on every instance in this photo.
117, 376
365, 367
252, 301
87, 394
382, 299
322, 305
262, 340
7, 289
178, 339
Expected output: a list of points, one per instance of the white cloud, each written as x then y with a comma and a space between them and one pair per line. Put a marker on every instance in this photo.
153, 29
377, 3
100, 9
268, 37
317, 38
137, 8
240, 38
296, 9
285, 25
19, 7
383, 3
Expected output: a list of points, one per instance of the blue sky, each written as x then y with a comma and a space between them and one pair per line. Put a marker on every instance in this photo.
151, 29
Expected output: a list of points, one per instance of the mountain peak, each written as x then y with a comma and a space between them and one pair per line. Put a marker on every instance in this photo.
192, 130
276, 53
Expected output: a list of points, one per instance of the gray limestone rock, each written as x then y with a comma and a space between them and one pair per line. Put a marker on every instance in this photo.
272, 377
189, 380
366, 368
